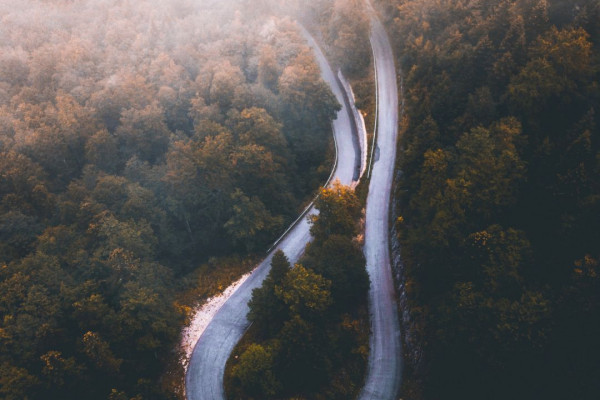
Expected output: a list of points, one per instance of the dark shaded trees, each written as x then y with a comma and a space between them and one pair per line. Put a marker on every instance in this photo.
500, 141
305, 319
255, 372
266, 308
129, 156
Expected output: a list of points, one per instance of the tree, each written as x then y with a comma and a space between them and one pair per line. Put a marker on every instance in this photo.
560, 65
304, 93
58, 369
500, 256
122, 92
16, 383
99, 352
340, 260
308, 106
490, 165
217, 82
143, 132
251, 223
303, 360
267, 310
129, 157
305, 293
135, 237
426, 137
268, 68
255, 372
19, 176
200, 182
280, 266
55, 135
349, 32
339, 209
17, 233
255, 126
102, 150
493, 179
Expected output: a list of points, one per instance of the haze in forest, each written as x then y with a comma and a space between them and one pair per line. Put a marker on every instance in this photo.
149, 152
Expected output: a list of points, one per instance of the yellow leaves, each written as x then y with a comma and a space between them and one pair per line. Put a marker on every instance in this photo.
98, 350
568, 49
561, 62
339, 209
184, 310
419, 41
341, 194
436, 160
587, 267
4, 334
302, 72
481, 238
350, 324
303, 290
363, 351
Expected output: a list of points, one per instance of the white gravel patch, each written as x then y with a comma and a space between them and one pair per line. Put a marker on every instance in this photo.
201, 317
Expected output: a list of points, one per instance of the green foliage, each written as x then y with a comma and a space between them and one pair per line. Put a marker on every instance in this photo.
339, 209
307, 319
267, 309
307, 107
129, 157
304, 359
349, 34
250, 220
279, 267
304, 292
255, 372
497, 196
341, 261
17, 383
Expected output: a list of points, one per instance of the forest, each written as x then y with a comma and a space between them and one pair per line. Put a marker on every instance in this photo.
310, 334
499, 196
151, 151
144, 146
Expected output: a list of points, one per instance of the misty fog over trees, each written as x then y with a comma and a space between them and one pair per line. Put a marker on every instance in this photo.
153, 149
138, 140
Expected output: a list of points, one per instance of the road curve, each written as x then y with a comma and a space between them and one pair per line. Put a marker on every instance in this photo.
385, 363
204, 378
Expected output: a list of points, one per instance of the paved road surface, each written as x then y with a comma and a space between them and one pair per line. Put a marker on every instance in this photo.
204, 379
385, 363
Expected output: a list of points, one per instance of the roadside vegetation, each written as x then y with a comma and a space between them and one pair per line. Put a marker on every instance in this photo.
310, 334
144, 148
500, 196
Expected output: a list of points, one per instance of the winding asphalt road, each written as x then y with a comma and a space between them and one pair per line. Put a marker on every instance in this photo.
204, 378
384, 370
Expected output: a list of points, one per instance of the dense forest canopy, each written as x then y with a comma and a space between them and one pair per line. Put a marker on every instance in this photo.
139, 139
500, 196
309, 333
141, 142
